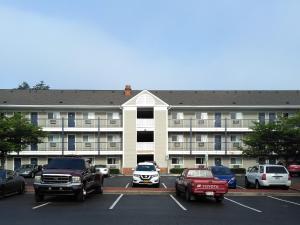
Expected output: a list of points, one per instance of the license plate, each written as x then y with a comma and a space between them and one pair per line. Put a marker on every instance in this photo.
209, 193
146, 181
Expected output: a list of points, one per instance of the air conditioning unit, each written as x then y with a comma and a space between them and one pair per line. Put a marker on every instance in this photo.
235, 121
113, 144
52, 144
236, 144
201, 121
88, 121
88, 144
112, 121
177, 144
52, 121
112, 166
200, 144
177, 121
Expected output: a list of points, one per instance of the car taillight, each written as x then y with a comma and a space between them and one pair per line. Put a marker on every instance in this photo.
264, 177
193, 184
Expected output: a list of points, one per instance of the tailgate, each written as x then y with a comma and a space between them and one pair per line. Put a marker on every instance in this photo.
220, 187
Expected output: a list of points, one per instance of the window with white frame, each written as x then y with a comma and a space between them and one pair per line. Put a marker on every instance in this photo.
201, 138
236, 116
53, 138
53, 115
235, 140
236, 161
200, 160
87, 138
113, 138
178, 160
88, 115
177, 116
201, 115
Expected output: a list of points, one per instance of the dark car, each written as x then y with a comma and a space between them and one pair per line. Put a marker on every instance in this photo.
67, 176
224, 173
28, 170
11, 183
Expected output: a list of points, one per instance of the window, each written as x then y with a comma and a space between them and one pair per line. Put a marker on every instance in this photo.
235, 140
236, 161
201, 115
218, 161
87, 138
113, 138
113, 116
236, 116
177, 116
111, 160
88, 115
177, 138
53, 115
33, 161
177, 160
53, 138
199, 160
201, 138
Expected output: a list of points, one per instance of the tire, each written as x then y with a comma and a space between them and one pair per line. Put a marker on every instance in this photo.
177, 191
133, 185
188, 195
22, 188
39, 197
80, 197
219, 199
99, 189
157, 185
257, 185
247, 184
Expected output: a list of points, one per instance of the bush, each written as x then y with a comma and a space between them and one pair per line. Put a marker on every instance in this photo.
114, 171
238, 170
176, 170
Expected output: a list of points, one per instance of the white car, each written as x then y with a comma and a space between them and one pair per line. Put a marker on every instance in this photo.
145, 174
268, 175
103, 169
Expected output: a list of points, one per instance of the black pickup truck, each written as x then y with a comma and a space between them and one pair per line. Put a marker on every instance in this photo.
67, 176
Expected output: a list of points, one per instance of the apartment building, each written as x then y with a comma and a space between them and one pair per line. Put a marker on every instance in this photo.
123, 127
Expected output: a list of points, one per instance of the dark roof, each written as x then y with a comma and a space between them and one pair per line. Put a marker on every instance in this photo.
172, 97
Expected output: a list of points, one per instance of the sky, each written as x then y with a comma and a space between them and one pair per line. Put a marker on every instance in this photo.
157, 44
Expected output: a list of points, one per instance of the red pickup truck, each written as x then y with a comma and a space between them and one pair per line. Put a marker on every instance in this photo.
200, 182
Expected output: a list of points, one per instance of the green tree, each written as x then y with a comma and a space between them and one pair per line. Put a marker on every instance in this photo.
41, 86
279, 139
16, 133
23, 86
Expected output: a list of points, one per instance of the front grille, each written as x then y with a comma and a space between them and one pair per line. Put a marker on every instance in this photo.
56, 179
146, 177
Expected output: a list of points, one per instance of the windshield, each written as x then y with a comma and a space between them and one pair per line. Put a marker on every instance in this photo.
275, 169
26, 167
221, 171
65, 163
2, 174
200, 173
145, 168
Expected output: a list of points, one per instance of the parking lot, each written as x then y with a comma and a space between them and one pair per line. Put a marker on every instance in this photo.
153, 209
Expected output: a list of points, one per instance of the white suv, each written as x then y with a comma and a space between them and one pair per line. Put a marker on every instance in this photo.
268, 175
145, 174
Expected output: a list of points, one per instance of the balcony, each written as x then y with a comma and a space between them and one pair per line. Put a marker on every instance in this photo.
145, 123
211, 123
80, 123
145, 146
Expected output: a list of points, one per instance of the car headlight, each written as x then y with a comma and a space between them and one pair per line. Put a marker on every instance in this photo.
76, 179
136, 175
155, 175
37, 179
232, 179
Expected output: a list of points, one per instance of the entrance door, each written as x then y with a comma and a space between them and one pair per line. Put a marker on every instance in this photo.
34, 118
145, 158
262, 118
218, 121
218, 142
17, 163
71, 142
71, 119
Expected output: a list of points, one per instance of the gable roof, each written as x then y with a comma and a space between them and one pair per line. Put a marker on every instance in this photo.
171, 97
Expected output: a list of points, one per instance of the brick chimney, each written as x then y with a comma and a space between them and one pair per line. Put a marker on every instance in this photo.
128, 90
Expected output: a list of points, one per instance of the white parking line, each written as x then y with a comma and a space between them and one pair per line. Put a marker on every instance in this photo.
114, 204
127, 185
279, 199
39, 206
178, 203
240, 187
248, 207
164, 185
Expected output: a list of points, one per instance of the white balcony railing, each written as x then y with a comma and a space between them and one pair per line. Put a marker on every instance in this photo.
145, 146
145, 123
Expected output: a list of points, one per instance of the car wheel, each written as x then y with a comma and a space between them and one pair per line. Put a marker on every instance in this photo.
38, 197
177, 191
257, 185
188, 196
80, 197
219, 199
99, 189
157, 185
247, 184
22, 188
